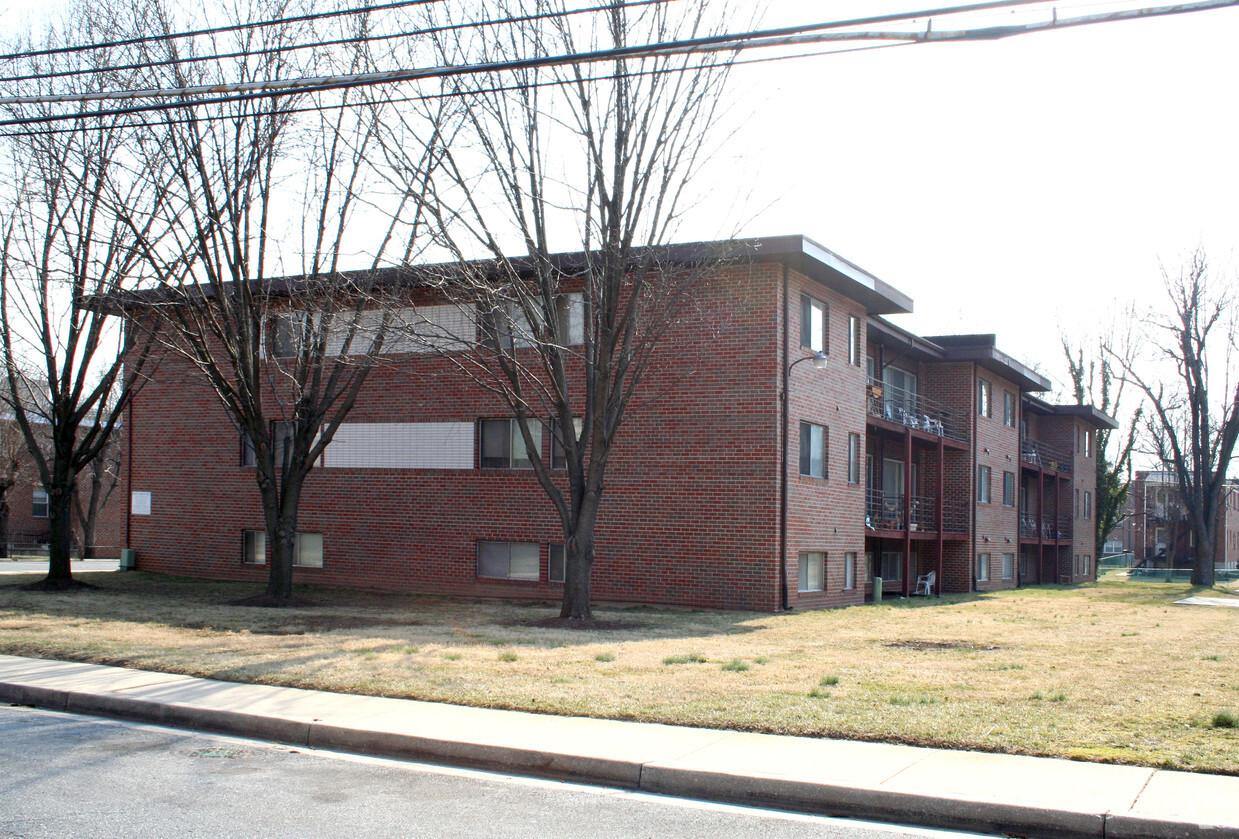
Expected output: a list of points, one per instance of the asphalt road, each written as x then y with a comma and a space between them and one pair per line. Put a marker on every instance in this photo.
85, 777
39, 566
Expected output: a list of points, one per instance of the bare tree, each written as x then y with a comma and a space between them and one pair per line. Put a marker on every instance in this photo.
285, 355
92, 496
593, 159
1094, 383
1194, 412
13, 468
64, 249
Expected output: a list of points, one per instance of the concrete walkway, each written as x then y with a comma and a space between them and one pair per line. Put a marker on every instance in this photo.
1027, 796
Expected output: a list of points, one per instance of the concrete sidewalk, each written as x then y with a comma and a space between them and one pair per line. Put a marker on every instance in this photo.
1026, 796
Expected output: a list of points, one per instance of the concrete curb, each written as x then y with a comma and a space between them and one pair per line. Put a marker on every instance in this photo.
683, 772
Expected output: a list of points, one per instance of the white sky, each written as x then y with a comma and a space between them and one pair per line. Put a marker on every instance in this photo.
1026, 187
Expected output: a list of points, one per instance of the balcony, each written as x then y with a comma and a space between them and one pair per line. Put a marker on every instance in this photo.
914, 411
1045, 456
1045, 527
885, 511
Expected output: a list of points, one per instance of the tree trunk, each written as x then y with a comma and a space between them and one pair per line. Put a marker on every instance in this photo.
60, 543
282, 531
4, 527
578, 570
1202, 568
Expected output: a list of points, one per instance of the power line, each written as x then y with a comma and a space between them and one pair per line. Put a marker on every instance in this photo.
720, 43
457, 94
217, 30
686, 45
194, 59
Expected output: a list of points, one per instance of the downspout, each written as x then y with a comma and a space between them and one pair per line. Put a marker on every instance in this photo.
783, 592
129, 474
972, 560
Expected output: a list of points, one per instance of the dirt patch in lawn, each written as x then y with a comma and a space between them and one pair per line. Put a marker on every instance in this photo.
919, 644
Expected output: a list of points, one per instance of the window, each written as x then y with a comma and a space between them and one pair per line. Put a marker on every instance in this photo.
286, 334
1077, 504
254, 547
982, 568
849, 570
509, 560
814, 323
984, 396
854, 336
854, 458
813, 440
1088, 442
1008, 566
892, 566
309, 550
983, 484
812, 571
247, 450
1008, 489
1079, 440
1088, 504
559, 456
1086, 562
556, 564
503, 445
38, 507
281, 434
1008, 408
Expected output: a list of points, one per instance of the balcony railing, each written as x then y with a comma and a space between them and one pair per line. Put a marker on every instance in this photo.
1045, 527
885, 511
1044, 455
915, 411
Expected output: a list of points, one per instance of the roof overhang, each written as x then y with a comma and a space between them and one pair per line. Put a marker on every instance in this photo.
827, 267
981, 350
1087, 413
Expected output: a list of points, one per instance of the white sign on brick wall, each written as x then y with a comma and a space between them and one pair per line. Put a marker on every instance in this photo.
141, 504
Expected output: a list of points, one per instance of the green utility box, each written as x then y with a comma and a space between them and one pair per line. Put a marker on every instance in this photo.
877, 589
128, 559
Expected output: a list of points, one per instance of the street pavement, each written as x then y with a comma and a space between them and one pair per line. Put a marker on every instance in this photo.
88, 778
1005, 794
27, 565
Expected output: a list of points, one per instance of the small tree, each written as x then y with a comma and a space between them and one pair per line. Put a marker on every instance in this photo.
285, 355
1193, 421
1095, 384
597, 158
64, 249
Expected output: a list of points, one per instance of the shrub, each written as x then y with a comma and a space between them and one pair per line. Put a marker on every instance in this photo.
736, 665
1226, 719
604, 657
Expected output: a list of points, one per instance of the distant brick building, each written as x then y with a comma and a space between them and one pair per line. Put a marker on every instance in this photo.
904, 456
1156, 529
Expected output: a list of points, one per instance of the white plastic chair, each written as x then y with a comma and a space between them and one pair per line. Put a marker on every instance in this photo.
925, 583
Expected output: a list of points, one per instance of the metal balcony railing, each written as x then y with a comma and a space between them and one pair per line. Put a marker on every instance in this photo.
1045, 527
885, 511
915, 411
1044, 455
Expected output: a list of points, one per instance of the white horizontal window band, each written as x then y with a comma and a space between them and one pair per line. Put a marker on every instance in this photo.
401, 445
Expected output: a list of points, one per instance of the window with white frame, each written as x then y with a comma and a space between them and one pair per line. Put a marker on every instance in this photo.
555, 567
559, 455
814, 323
1008, 489
248, 457
1088, 442
1008, 566
983, 495
985, 398
39, 503
1088, 504
503, 445
892, 566
509, 560
254, 547
982, 568
812, 570
813, 441
1008, 408
849, 570
309, 550
854, 447
855, 351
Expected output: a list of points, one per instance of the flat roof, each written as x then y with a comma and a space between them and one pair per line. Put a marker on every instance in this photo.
983, 350
1085, 412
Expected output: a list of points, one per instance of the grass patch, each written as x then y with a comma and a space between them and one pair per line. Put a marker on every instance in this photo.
604, 657
689, 658
1226, 719
736, 666
956, 673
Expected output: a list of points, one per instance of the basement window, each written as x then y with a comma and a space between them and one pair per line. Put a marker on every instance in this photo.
254, 547
39, 504
309, 550
509, 560
812, 571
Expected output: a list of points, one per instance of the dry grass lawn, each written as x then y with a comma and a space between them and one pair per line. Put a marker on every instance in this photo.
1110, 672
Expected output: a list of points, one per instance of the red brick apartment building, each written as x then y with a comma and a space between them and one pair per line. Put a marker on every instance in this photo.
1157, 530
904, 456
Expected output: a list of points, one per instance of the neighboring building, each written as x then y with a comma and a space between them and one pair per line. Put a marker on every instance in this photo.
905, 456
1156, 529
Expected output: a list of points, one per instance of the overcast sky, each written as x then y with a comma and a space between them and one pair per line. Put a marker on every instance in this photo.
1024, 187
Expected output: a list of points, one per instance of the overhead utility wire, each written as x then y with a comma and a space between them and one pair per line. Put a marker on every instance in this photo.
194, 59
217, 30
389, 76
711, 44
633, 74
